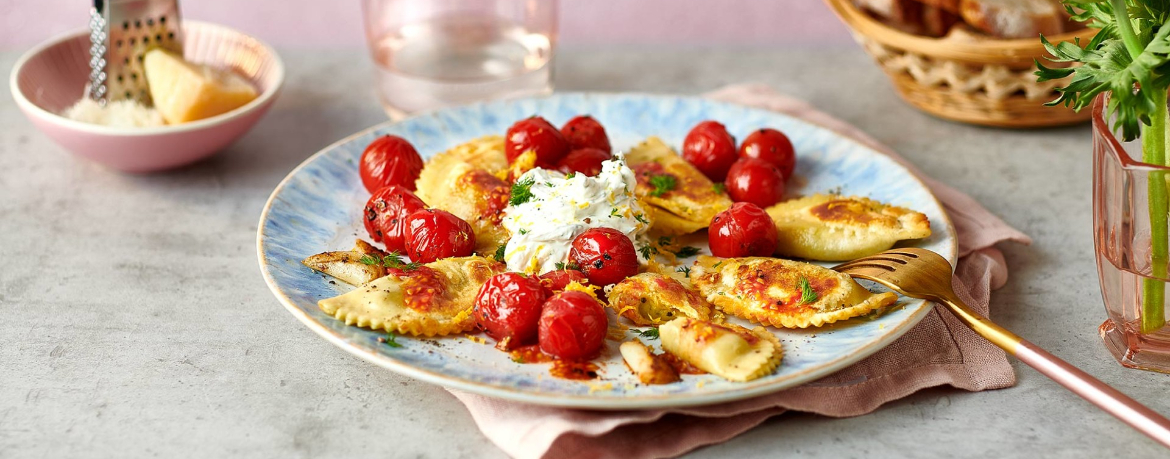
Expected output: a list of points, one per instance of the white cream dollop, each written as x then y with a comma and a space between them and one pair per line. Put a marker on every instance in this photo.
561, 208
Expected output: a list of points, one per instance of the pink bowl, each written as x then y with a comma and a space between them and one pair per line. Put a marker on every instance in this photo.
51, 77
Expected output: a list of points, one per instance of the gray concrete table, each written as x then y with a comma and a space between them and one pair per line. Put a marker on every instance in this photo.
135, 322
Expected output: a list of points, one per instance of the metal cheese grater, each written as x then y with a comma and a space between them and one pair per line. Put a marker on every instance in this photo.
121, 32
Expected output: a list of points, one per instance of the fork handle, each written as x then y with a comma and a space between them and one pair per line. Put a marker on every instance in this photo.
1107, 398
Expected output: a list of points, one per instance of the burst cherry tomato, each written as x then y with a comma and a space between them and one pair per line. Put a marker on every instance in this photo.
508, 308
756, 181
432, 234
710, 149
584, 161
390, 160
386, 212
572, 326
555, 281
606, 255
744, 230
772, 146
585, 132
536, 134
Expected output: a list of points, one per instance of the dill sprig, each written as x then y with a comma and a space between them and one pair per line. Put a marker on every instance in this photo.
522, 191
391, 260
662, 183
807, 294
649, 333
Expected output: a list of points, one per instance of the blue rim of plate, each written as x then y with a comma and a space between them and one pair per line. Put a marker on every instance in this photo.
912, 311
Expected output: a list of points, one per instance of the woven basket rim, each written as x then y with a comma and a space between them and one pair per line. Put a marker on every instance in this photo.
1017, 51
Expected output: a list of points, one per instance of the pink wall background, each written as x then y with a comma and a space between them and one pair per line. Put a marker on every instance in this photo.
337, 23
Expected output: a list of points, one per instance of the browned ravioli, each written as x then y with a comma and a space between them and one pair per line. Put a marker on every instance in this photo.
679, 198
783, 293
837, 228
463, 181
434, 299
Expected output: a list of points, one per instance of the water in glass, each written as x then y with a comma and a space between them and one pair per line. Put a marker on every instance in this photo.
460, 58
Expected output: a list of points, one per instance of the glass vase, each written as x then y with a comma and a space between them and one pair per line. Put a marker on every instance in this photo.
1133, 285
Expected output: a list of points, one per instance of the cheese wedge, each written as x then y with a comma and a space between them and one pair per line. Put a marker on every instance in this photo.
183, 91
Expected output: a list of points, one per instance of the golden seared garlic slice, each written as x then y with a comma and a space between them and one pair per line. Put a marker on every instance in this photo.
432, 299
836, 228
727, 350
649, 368
355, 267
783, 293
654, 299
678, 198
463, 181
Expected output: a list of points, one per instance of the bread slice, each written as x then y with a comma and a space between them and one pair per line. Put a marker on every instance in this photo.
947, 5
904, 15
1014, 18
897, 12
937, 21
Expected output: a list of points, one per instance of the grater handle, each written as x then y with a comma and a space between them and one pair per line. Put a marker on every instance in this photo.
98, 33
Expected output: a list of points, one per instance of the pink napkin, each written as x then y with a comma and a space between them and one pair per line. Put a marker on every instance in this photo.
940, 350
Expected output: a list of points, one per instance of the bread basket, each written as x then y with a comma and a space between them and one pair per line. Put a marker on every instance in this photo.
985, 81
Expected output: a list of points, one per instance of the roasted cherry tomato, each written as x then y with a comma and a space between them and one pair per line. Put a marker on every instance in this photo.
756, 181
584, 161
386, 212
508, 308
432, 234
390, 160
710, 149
605, 255
585, 132
772, 146
744, 230
536, 134
572, 326
555, 281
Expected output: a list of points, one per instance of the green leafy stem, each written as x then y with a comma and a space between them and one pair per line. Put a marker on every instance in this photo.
1129, 58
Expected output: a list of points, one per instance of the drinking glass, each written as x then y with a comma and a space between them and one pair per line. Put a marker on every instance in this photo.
431, 53
1134, 292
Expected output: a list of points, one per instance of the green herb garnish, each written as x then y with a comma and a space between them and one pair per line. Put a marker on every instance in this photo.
807, 294
649, 333
391, 340
687, 251
662, 184
613, 212
641, 218
523, 231
716, 265
570, 175
370, 260
685, 270
391, 260
719, 188
665, 241
500, 252
647, 250
522, 191
1129, 57
572, 265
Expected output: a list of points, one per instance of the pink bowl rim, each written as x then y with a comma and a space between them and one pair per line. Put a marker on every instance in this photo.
225, 118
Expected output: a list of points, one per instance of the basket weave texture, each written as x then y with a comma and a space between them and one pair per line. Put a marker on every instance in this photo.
974, 80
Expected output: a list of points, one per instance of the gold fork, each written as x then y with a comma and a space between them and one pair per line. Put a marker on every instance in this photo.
920, 273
